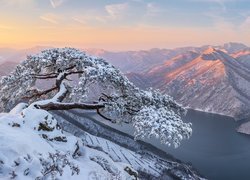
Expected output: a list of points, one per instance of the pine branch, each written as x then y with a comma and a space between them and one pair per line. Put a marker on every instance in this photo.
45, 77
67, 106
39, 93
106, 118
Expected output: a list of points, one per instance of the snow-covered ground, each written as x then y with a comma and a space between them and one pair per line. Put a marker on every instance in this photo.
122, 147
34, 146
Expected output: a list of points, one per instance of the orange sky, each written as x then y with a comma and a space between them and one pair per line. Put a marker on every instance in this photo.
115, 38
115, 26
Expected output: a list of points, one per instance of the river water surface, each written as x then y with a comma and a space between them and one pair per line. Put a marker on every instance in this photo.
215, 149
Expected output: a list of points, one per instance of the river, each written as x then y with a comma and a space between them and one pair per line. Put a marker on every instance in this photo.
215, 149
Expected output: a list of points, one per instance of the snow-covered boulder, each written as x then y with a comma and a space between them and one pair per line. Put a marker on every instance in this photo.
33, 146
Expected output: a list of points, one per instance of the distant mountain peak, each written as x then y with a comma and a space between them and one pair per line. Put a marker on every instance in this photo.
230, 44
243, 53
209, 50
94, 51
233, 47
211, 53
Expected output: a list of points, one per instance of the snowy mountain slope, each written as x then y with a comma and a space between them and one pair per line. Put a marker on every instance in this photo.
50, 153
33, 146
140, 61
133, 61
243, 57
214, 81
233, 47
137, 154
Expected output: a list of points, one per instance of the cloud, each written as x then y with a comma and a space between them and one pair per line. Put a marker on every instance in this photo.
87, 19
56, 3
116, 11
219, 16
81, 20
51, 18
18, 3
111, 13
153, 9
222, 3
245, 26
219, 22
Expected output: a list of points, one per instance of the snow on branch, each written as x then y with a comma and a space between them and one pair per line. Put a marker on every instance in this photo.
150, 112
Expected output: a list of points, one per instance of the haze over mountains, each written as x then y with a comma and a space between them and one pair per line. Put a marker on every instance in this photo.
210, 78
9, 58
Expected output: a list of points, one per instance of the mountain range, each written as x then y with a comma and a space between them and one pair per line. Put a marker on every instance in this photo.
208, 78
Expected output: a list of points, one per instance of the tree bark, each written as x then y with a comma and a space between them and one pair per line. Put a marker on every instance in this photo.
67, 106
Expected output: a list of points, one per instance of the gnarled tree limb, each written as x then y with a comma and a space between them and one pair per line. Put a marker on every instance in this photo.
104, 117
40, 93
68, 106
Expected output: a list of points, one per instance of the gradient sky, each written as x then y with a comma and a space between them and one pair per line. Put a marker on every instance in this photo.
123, 24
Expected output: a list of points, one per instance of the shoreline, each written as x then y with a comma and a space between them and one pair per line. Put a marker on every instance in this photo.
220, 114
214, 113
137, 146
240, 123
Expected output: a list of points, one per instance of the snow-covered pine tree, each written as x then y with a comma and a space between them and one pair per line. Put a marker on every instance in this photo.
150, 112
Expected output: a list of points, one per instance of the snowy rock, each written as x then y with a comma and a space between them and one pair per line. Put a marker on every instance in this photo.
244, 128
27, 152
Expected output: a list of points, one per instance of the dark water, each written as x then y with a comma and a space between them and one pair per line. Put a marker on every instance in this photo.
215, 149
